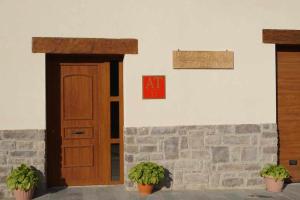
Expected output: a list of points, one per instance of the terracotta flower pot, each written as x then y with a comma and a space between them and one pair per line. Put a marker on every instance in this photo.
145, 189
273, 185
22, 195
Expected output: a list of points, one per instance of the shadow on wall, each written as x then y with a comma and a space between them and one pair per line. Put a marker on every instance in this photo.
166, 182
41, 188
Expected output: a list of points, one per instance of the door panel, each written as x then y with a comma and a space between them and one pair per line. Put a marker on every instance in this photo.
288, 108
79, 124
78, 95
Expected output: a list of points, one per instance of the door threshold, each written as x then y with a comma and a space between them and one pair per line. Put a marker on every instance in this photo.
84, 186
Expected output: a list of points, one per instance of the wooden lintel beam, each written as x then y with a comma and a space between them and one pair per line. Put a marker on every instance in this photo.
57, 45
281, 36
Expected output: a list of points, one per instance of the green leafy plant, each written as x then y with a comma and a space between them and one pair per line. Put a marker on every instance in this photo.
22, 178
147, 173
278, 172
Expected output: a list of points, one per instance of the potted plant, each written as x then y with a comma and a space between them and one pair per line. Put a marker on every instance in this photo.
22, 181
274, 176
146, 175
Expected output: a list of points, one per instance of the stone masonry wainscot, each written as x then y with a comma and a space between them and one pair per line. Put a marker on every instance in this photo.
204, 157
21, 146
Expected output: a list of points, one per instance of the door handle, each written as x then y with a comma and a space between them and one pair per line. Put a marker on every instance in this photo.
78, 132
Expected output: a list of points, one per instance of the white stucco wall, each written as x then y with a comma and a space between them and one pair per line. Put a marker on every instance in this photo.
243, 95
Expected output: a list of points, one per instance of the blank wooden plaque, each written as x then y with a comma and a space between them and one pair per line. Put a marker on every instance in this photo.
203, 59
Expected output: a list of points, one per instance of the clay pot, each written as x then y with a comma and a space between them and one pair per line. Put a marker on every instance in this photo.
273, 185
145, 189
22, 195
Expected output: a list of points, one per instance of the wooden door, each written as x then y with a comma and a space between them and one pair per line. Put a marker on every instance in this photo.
84, 121
80, 130
288, 108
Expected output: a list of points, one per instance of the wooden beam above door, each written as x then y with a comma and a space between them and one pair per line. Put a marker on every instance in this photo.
281, 36
58, 45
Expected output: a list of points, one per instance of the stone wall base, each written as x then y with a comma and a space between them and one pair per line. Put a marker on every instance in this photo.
195, 157
204, 157
21, 146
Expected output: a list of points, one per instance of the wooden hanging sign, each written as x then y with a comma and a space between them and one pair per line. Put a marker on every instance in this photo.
203, 59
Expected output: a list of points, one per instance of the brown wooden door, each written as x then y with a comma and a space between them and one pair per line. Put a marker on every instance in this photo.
288, 108
84, 120
80, 98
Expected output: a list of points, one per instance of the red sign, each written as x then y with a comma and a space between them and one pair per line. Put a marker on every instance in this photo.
154, 87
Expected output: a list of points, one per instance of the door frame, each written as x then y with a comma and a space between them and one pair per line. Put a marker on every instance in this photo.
53, 108
280, 66
282, 38
90, 47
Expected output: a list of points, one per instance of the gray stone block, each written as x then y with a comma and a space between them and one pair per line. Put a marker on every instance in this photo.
225, 129
254, 139
163, 130
13, 161
131, 149
39, 145
220, 154
252, 167
269, 135
265, 126
255, 181
201, 154
38, 161
130, 131
268, 142
182, 131
184, 142
2, 179
143, 131
247, 128
178, 177
232, 182
147, 140
24, 145
142, 157
214, 180
212, 140
196, 178
129, 158
236, 140
160, 146
187, 164
199, 187
196, 140
24, 134
230, 167
249, 154
3, 159
156, 156
270, 150
40, 135
129, 140
23, 153
171, 148
185, 154
235, 154
4, 170
270, 127
207, 130
7, 145
148, 149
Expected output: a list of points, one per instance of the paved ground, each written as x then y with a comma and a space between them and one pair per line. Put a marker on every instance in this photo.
118, 193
